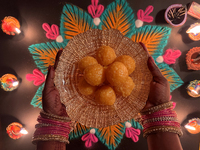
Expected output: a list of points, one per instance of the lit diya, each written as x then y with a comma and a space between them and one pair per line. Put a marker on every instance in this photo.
193, 88
193, 126
176, 15
9, 82
193, 59
10, 25
194, 31
15, 130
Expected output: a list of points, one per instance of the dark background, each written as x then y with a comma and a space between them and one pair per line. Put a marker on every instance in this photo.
16, 59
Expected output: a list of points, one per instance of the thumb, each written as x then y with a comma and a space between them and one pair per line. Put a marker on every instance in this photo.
155, 71
50, 78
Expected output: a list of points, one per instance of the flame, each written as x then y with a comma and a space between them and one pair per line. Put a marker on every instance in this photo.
23, 131
15, 83
195, 29
190, 127
17, 30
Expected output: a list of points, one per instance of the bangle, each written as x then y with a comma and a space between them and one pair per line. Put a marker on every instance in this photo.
49, 137
51, 127
161, 118
157, 129
157, 108
54, 117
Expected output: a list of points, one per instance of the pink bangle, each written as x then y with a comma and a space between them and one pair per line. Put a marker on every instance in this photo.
52, 127
48, 121
161, 118
157, 116
161, 123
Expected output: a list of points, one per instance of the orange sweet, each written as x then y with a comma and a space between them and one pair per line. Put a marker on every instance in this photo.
85, 88
95, 74
105, 95
128, 61
116, 73
86, 61
126, 88
105, 55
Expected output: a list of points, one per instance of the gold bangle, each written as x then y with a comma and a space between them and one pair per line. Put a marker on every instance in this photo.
49, 137
157, 129
54, 117
156, 108
160, 119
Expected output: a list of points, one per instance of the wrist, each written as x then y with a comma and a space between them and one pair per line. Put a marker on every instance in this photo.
48, 145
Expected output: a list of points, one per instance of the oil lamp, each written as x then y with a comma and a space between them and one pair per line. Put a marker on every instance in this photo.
9, 82
10, 25
193, 126
15, 130
194, 31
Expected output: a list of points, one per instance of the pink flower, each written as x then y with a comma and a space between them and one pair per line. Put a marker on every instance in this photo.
132, 133
170, 56
94, 9
144, 15
52, 32
38, 77
89, 138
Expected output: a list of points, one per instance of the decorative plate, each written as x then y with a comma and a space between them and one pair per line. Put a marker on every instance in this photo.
82, 108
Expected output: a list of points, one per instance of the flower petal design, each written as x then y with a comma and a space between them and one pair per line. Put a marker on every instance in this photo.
172, 77
37, 99
119, 15
37, 76
154, 37
170, 56
44, 54
74, 21
111, 136
144, 15
94, 9
52, 32
79, 131
89, 138
132, 133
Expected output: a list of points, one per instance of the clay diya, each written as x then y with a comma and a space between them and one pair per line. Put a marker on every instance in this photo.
193, 59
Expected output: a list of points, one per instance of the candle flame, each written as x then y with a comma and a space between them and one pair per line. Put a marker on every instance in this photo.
194, 91
194, 30
23, 131
15, 83
18, 30
189, 127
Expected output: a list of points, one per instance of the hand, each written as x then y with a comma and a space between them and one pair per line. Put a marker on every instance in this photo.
50, 97
159, 86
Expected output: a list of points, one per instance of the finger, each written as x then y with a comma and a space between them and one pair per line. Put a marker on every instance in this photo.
50, 78
57, 58
155, 71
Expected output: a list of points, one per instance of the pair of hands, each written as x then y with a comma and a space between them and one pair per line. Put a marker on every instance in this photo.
159, 89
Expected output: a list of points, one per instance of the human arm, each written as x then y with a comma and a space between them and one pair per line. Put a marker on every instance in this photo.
159, 94
52, 105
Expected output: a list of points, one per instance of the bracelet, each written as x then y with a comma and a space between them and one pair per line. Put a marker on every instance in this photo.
49, 137
157, 108
171, 129
51, 127
161, 118
54, 117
